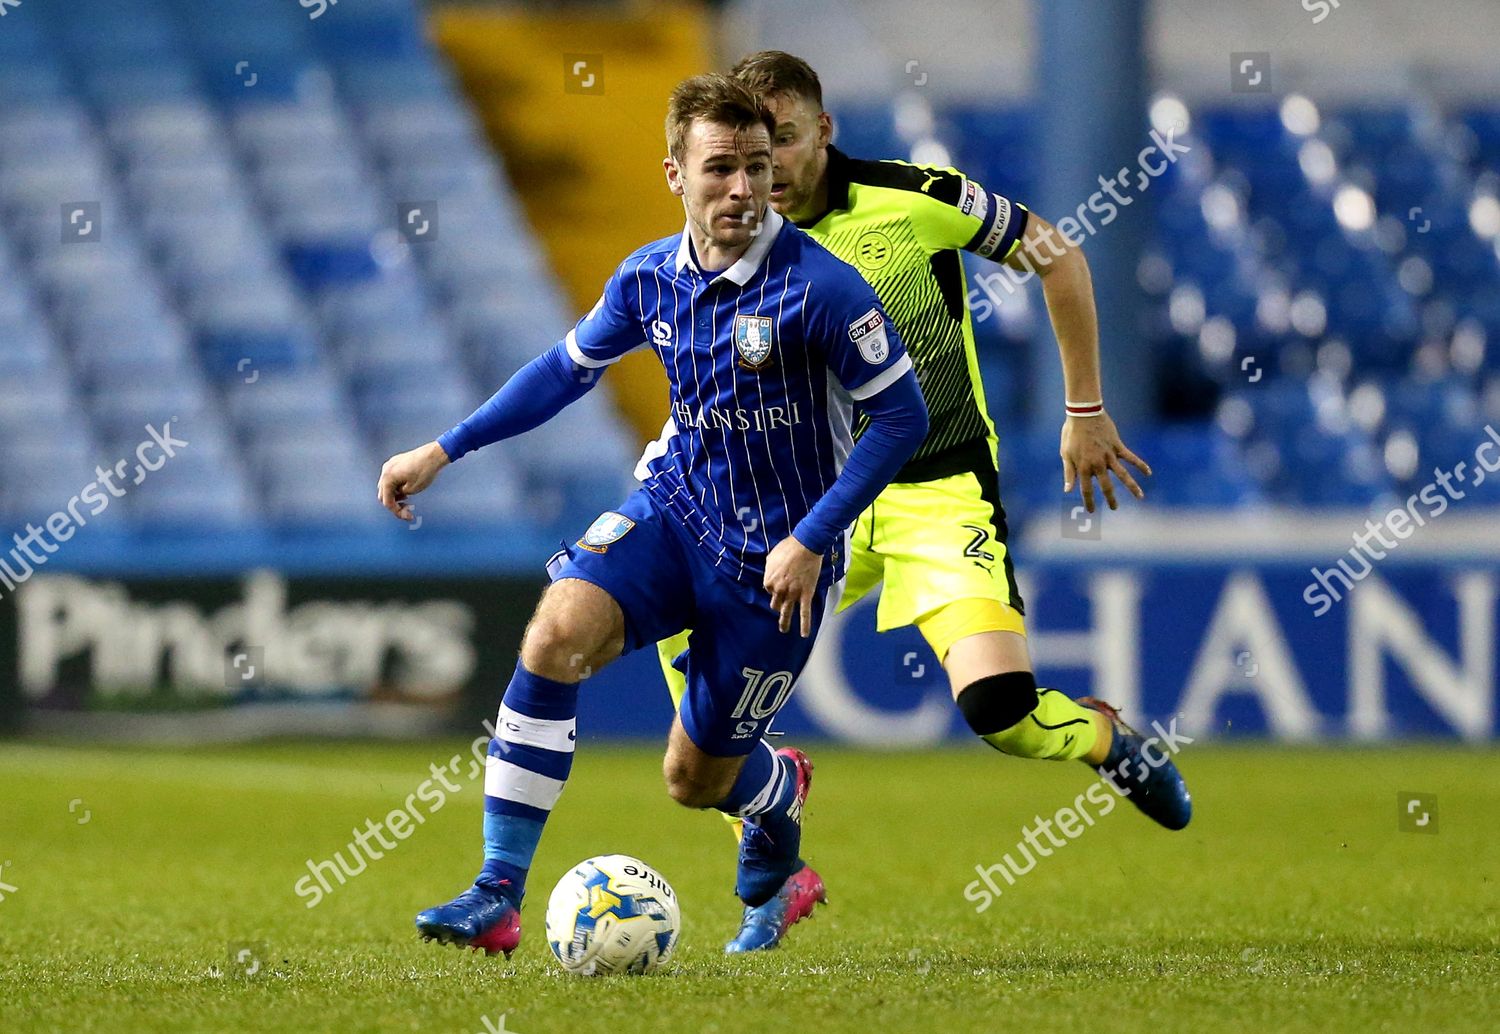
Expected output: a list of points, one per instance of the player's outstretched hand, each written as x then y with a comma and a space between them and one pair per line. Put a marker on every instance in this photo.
1091, 448
792, 580
406, 474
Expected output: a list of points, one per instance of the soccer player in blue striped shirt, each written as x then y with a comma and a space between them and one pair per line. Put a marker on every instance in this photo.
739, 529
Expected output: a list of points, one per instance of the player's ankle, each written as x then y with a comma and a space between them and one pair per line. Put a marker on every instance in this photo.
1104, 738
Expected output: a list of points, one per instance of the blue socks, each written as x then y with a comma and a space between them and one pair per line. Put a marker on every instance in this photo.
764, 790
528, 764
764, 795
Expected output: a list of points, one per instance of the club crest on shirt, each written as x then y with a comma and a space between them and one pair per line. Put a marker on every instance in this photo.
873, 251
868, 332
752, 339
609, 527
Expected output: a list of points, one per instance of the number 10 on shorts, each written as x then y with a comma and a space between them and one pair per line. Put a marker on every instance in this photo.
764, 694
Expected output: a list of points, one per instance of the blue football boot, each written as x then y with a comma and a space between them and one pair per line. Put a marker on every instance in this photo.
1157, 789
766, 859
765, 925
482, 917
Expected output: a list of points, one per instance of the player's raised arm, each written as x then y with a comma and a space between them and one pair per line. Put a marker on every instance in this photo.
1091, 446
959, 213
871, 363
534, 394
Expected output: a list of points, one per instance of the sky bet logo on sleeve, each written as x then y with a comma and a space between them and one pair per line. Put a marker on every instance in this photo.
980, 207
868, 332
971, 198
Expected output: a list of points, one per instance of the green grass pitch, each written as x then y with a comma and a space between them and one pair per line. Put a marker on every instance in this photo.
1291, 903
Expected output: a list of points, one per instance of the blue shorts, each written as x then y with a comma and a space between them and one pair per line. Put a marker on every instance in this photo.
740, 667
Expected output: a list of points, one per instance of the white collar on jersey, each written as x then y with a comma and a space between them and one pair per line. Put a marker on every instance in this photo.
750, 261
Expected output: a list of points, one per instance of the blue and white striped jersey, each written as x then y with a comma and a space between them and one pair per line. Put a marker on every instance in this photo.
765, 361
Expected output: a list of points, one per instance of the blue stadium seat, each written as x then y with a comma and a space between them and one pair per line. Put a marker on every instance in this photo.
184, 396
26, 349
193, 492
229, 350
249, 263
866, 131
1378, 129
334, 253
1239, 130
117, 90
422, 176
24, 39
374, 30
42, 476
134, 302
382, 83
106, 351
45, 397
250, 161
998, 146
267, 78
259, 399
484, 493
424, 124
25, 82
1484, 123
47, 127
1191, 469
168, 128
374, 302
409, 348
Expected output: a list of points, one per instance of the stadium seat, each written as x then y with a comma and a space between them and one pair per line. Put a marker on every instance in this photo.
250, 275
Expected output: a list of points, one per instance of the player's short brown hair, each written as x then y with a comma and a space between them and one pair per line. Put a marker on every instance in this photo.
777, 73
714, 98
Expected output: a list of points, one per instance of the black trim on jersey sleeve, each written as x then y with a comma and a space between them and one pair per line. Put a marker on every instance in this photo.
948, 271
1002, 221
939, 184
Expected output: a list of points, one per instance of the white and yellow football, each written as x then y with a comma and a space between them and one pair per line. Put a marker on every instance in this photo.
612, 914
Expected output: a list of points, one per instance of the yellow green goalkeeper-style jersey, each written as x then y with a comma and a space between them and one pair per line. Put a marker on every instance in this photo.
902, 226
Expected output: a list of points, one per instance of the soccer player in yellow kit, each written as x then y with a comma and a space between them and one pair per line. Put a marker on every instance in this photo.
936, 536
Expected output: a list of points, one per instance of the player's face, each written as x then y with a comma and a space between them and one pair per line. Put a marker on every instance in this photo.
803, 131
724, 180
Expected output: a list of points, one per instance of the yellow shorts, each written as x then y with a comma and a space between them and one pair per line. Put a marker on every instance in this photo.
940, 548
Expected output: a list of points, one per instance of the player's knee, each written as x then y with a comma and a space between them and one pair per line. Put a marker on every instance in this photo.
553, 645
569, 637
996, 703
